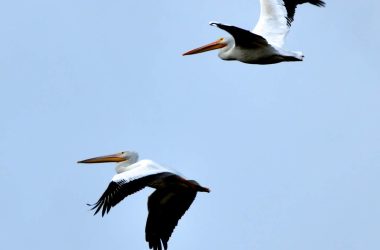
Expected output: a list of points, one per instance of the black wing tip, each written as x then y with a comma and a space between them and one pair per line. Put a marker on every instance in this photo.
92, 207
219, 25
290, 17
318, 3
97, 206
213, 23
156, 244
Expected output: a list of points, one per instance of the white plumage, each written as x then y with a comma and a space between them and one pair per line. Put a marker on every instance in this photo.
272, 24
139, 170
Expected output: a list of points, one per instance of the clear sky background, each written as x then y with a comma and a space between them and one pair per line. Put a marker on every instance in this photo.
291, 151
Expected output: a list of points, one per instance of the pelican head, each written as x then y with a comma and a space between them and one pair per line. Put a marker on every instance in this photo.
125, 157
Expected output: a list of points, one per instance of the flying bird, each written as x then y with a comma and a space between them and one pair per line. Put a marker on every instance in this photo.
264, 44
166, 205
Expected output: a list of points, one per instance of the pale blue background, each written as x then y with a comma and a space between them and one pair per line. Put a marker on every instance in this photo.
291, 151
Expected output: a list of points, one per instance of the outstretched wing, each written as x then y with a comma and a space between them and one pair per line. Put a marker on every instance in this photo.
166, 207
117, 191
242, 37
276, 17
127, 183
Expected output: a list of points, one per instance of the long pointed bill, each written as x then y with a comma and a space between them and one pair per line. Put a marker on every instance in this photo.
211, 46
107, 158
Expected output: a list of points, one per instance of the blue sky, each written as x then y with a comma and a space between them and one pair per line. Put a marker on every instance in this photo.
291, 151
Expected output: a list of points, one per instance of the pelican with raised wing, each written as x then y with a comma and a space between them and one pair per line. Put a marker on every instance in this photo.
166, 205
264, 44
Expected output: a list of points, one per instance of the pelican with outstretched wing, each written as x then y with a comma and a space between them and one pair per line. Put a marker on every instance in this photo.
264, 44
166, 205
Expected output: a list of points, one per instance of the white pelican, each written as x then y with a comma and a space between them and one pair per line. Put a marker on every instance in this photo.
166, 205
264, 44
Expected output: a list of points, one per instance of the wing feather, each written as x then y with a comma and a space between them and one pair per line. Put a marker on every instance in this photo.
242, 37
276, 17
129, 182
166, 207
117, 191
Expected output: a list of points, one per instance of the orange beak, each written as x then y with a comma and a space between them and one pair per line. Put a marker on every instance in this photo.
107, 158
211, 46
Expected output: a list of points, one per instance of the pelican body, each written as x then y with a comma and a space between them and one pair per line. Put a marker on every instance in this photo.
166, 205
264, 44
